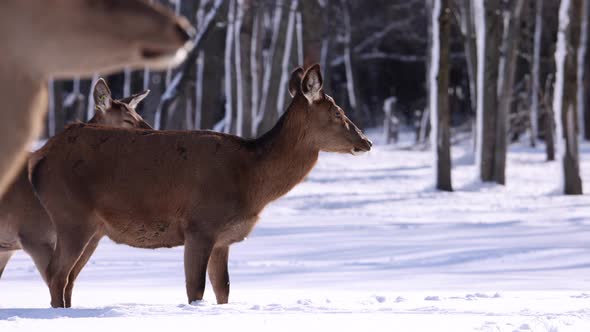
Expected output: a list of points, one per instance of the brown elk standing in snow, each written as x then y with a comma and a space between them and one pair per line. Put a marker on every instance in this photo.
24, 224
200, 189
64, 38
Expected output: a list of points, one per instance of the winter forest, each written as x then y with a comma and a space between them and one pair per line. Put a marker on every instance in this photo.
513, 70
469, 210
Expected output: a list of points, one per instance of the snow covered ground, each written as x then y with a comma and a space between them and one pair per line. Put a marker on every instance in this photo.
364, 244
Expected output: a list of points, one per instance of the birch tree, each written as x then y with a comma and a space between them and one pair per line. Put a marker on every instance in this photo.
312, 32
507, 71
261, 120
439, 96
183, 73
564, 96
212, 59
470, 48
286, 63
536, 84
228, 68
581, 74
272, 68
51, 108
488, 22
549, 123
351, 86
243, 43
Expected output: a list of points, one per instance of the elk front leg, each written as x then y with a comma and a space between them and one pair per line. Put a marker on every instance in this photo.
218, 274
196, 255
40, 251
4, 257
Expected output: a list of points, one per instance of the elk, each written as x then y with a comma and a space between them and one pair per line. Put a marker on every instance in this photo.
24, 224
64, 38
200, 189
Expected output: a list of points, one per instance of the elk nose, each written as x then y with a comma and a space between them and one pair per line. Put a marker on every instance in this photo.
368, 144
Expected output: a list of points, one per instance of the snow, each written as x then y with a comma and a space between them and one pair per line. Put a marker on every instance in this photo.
480, 34
560, 54
363, 244
433, 82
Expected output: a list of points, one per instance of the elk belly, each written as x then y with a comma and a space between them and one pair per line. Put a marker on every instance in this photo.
140, 233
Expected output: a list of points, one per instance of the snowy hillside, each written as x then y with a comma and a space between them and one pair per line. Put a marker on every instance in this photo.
364, 244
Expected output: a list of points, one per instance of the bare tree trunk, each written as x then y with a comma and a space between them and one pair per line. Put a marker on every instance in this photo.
351, 86
273, 70
285, 63
212, 95
243, 40
564, 97
581, 66
507, 70
299, 33
178, 83
127, 81
536, 90
326, 45
228, 69
439, 95
352, 98
90, 108
312, 35
470, 47
199, 69
51, 108
586, 87
255, 73
240, 9
549, 120
488, 89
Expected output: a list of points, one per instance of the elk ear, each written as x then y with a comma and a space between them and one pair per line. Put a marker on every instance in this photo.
295, 81
135, 99
102, 95
311, 84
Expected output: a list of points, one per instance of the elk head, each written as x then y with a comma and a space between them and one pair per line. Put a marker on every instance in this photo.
64, 38
327, 126
117, 113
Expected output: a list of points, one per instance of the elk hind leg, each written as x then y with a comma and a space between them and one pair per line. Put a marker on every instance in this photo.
71, 242
86, 254
218, 273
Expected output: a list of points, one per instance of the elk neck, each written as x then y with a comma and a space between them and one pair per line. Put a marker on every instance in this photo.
284, 155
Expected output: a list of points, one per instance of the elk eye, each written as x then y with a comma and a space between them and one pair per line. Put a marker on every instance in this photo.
337, 114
